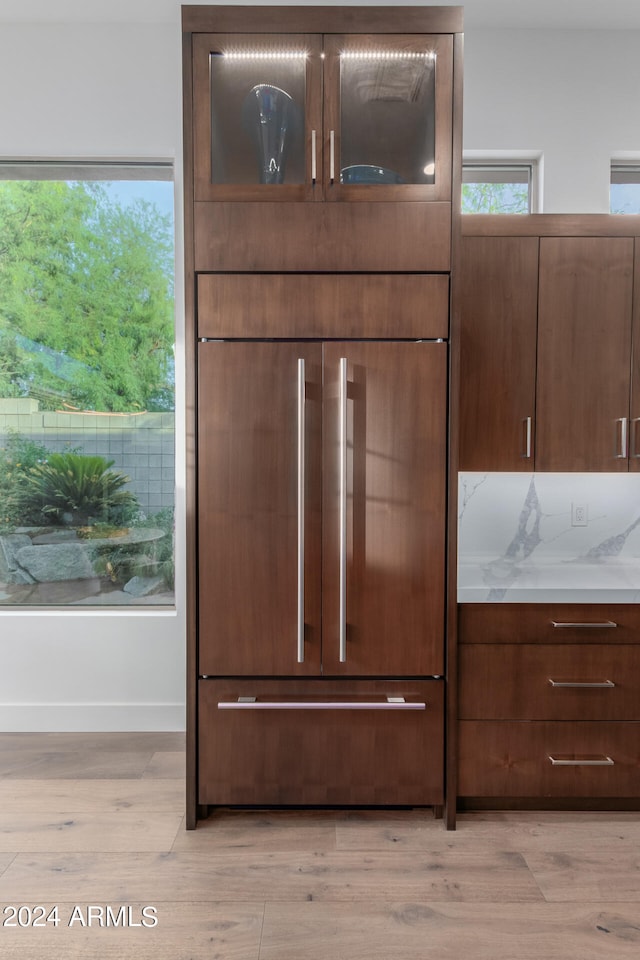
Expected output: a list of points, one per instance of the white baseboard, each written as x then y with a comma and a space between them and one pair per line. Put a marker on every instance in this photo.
91, 717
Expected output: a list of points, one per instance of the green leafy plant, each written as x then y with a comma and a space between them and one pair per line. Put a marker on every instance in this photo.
75, 489
18, 457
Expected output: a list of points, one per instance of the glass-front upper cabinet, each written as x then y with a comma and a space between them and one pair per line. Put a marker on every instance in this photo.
306, 117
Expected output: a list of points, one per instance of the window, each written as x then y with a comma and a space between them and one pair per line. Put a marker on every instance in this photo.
497, 187
86, 384
624, 193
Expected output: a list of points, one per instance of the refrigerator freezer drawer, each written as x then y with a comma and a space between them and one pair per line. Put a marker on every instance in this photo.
326, 742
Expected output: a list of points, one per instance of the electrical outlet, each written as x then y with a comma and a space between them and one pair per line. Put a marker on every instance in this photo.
579, 515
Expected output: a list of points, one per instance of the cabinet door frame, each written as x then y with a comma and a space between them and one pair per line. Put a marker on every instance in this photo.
442, 46
584, 343
206, 45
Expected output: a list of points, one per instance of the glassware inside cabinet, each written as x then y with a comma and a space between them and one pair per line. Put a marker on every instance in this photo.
258, 115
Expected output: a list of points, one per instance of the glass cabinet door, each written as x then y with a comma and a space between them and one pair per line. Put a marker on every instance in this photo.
388, 117
257, 106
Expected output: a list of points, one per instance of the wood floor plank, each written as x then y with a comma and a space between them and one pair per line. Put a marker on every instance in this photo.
515, 830
72, 832
264, 830
73, 765
166, 765
449, 931
148, 797
604, 869
150, 741
201, 931
252, 875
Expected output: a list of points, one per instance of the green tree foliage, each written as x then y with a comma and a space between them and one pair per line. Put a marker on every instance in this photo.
86, 298
495, 198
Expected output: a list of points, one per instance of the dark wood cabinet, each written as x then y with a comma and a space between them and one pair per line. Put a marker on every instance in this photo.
549, 703
584, 347
547, 376
322, 170
498, 353
357, 116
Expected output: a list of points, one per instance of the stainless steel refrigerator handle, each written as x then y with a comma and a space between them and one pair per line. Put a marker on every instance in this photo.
313, 158
301, 504
582, 683
577, 762
527, 453
343, 510
586, 626
624, 453
332, 156
252, 703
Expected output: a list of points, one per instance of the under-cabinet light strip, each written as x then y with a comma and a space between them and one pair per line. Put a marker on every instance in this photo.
386, 55
265, 54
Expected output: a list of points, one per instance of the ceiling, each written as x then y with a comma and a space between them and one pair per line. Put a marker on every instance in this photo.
528, 14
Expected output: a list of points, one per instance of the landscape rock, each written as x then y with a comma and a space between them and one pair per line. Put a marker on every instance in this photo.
56, 561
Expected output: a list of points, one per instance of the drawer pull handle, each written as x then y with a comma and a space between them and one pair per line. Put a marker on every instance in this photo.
251, 703
581, 761
582, 683
588, 626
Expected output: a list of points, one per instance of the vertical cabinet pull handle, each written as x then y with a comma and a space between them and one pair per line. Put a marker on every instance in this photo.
314, 169
301, 504
343, 510
623, 448
635, 451
332, 156
527, 441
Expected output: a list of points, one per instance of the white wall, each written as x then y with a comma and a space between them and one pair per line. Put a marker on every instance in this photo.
113, 91
571, 96
106, 89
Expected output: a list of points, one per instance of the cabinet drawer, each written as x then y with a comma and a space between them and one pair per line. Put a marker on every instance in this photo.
514, 759
323, 742
381, 306
549, 682
534, 623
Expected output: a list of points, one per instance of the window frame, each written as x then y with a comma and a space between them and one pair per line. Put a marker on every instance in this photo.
506, 171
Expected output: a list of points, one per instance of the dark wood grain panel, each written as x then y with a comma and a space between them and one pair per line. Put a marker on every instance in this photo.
277, 237
247, 504
395, 502
584, 342
533, 623
499, 682
323, 305
499, 309
511, 759
334, 757
550, 225
319, 19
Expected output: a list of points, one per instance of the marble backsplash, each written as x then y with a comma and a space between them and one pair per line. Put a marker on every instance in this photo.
549, 537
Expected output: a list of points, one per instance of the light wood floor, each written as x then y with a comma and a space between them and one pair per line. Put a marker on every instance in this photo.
97, 820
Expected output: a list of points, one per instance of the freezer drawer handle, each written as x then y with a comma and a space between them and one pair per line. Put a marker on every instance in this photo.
252, 703
588, 626
582, 683
581, 762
